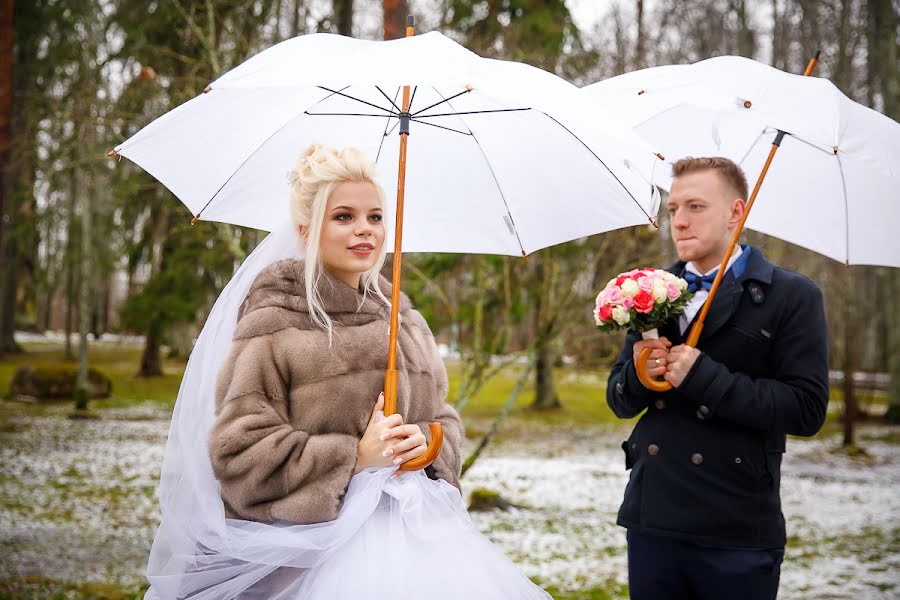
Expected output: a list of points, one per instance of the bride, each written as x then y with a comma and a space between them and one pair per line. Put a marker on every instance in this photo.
281, 477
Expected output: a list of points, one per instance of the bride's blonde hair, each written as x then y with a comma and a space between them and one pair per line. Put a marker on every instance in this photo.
315, 176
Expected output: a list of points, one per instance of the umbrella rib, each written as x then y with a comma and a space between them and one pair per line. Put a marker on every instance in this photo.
588, 148
441, 127
443, 101
493, 174
388, 98
349, 115
348, 96
386, 125
411, 98
470, 112
846, 210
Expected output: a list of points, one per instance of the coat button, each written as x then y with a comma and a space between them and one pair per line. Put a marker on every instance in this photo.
737, 460
653, 449
697, 458
703, 410
619, 388
660, 404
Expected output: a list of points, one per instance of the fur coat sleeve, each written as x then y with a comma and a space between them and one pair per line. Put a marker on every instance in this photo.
269, 469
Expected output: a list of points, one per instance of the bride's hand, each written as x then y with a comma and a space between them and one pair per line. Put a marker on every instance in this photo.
388, 441
412, 443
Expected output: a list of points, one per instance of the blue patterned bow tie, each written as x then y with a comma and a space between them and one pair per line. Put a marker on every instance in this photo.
695, 282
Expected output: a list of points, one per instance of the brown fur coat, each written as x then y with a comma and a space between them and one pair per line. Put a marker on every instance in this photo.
290, 409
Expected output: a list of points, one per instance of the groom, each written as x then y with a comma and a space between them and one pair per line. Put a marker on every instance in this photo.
702, 505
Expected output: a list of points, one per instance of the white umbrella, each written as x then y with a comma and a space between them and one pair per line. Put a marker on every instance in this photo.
506, 159
516, 164
834, 186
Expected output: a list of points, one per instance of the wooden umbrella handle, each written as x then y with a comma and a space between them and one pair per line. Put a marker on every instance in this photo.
434, 448
644, 374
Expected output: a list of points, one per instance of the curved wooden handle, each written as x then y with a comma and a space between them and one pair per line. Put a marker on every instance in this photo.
434, 448
641, 367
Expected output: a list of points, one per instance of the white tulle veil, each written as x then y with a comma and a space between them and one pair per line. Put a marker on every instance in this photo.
197, 552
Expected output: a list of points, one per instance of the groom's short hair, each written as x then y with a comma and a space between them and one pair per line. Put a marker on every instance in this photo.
730, 173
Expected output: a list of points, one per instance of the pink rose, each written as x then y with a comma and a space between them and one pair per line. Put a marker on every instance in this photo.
613, 295
643, 302
627, 301
672, 292
645, 283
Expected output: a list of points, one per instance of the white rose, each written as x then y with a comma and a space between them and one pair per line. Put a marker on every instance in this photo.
682, 284
660, 290
621, 315
630, 288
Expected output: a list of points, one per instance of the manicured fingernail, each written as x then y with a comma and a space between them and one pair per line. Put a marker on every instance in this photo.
383, 436
388, 452
398, 460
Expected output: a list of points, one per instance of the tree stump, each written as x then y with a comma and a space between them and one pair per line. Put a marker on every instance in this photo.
56, 382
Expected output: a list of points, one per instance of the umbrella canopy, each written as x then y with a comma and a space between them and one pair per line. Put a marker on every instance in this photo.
834, 186
503, 158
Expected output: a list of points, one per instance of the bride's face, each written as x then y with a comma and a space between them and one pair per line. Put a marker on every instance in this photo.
352, 231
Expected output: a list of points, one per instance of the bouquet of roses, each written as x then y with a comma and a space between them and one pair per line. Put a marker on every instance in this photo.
640, 300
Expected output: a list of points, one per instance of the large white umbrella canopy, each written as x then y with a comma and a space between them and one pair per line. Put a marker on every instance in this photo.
834, 184
503, 158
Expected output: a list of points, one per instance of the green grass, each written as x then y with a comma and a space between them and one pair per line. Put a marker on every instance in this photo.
40, 588
581, 391
119, 363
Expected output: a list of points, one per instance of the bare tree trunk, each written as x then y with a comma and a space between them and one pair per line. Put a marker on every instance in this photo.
639, 59
395, 13
84, 304
850, 364
295, 18
545, 396
10, 263
842, 75
893, 345
344, 14
746, 41
7, 60
151, 361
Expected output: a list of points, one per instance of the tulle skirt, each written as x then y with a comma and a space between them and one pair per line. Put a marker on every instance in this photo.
407, 537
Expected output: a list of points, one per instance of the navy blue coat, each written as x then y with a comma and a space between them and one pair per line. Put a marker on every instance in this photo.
705, 457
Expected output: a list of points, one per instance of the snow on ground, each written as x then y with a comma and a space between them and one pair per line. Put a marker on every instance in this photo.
77, 502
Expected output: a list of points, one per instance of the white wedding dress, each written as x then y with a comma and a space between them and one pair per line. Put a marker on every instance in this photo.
394, 539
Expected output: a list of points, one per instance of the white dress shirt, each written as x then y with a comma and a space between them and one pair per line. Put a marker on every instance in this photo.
696, 303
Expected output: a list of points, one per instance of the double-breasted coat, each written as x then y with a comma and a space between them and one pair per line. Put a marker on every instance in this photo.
705, 457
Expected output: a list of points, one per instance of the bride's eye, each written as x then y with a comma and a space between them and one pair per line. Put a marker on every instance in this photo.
344, 217
376, 218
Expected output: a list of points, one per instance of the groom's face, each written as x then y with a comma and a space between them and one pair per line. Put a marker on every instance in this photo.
704, 211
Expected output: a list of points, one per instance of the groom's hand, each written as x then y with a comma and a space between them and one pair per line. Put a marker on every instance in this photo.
680, 360
656, 364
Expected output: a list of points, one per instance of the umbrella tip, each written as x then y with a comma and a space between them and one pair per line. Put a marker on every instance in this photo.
207, 89
196, 217
111, 153
525, 256
653, 222
660, 156
469, 87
